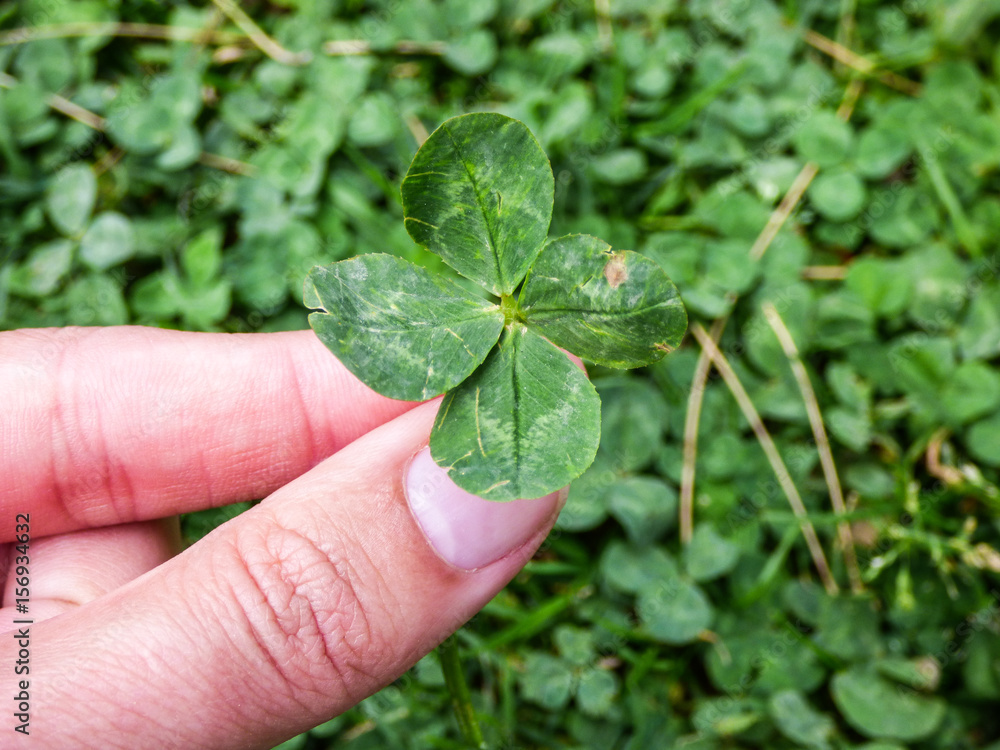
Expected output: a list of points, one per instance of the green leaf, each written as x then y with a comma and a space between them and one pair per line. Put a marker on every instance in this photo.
45, 267
472, 54
973, 391
750, 657
853, 429
804, 599
202, 256
709, 555
632, 568
619, 167
825, 139
584, 509
838, 196
618, 309
465, 15
147, 118
296, 160
523, 425
403, 331
95, 301
727, 268
547, 681
375, 120
726, 716
633, 417
675, 611
203, 307
47, 63
848, 628
939, 285
183, 150
479, 194
877, 708
979, 336
923, 366
981, 668
799, 721
575, 644
70, 198
983, 440
154, 297
904, 217
109, 240
645, 506
748, 114
914, 673
596, 691
885, 286
795, 667
849, 388
881, 152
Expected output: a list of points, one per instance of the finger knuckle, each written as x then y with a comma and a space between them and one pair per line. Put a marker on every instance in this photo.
310, 610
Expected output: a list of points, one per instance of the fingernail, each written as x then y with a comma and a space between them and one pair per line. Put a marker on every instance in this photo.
465, 530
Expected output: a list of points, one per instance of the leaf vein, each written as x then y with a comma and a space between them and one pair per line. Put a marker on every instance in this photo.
481, 205
529, 309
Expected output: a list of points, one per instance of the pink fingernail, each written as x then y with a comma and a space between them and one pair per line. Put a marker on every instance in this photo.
465, 530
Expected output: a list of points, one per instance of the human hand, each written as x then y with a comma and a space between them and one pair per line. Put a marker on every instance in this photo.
360, 560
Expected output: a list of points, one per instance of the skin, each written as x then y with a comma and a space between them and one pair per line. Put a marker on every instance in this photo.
275, 622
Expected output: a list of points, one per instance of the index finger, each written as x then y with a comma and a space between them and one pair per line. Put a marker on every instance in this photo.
109, 425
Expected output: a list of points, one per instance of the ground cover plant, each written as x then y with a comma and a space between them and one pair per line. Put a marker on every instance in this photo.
818, 179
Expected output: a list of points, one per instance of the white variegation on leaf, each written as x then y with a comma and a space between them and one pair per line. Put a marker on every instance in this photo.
612, 307
405, 332
479, 194
525, 423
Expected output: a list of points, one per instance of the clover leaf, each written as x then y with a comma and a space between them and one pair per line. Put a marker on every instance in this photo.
518, 419
479, 194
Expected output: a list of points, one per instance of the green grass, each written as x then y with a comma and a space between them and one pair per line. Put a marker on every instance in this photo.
220, 176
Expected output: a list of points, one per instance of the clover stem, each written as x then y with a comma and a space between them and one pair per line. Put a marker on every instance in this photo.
458, 688
511, 310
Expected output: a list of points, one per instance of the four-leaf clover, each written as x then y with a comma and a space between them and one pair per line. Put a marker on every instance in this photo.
518, 419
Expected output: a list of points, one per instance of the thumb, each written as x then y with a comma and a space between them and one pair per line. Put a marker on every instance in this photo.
289, 614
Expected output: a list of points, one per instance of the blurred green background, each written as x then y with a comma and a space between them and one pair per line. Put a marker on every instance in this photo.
185, 165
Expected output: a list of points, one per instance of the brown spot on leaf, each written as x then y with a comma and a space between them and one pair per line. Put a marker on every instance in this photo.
615, 271
662, 347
